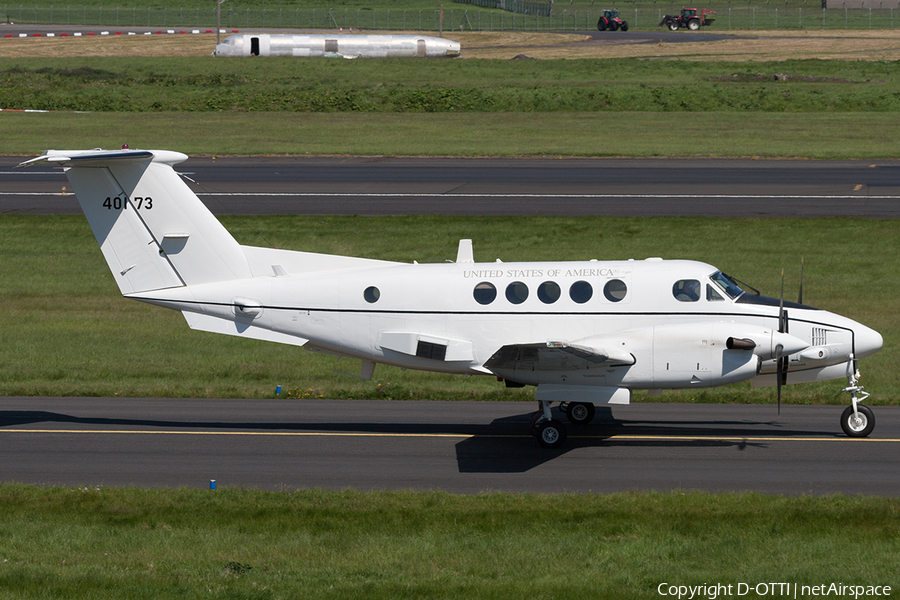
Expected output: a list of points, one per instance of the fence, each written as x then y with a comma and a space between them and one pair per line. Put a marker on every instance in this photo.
729, 17
543, 9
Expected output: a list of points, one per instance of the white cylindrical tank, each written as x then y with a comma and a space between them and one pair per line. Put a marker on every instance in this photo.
337, 45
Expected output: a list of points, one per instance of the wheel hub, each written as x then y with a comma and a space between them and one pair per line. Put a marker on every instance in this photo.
857, 422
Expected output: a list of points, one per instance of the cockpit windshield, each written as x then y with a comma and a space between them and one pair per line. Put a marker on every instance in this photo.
728, 285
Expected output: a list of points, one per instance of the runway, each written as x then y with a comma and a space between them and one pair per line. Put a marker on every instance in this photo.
505, 186
460, 447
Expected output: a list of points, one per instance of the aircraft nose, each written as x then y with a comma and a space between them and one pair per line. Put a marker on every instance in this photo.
867, 341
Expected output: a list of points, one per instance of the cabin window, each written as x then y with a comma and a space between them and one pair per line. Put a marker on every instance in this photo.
485, 293
517, 292
712, 295
548, 292
615, 290
686, 290
371, 294
581, 292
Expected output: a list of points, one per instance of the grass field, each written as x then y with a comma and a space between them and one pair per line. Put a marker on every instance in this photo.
208, 84
69, 332
102, 543
816, 109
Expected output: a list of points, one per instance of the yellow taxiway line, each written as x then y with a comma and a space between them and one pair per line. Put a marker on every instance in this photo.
711, 438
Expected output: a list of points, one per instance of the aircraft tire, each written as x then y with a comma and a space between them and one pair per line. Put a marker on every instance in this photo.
551, 434
860, 427
580, 412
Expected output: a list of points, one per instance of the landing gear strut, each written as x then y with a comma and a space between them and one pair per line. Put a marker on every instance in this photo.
549, 432
857, 420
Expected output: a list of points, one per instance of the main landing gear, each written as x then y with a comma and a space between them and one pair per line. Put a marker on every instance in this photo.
857, 420
550, 432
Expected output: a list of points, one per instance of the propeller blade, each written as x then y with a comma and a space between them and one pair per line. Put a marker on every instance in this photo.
781, 306
779, 373
800, 296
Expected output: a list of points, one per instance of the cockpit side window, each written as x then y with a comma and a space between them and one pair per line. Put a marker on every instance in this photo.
731, 289
712, 295
686, 290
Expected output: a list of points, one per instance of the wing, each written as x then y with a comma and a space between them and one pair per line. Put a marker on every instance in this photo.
552, 356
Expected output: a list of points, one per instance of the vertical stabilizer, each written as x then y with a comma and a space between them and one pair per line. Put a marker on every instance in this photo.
152, 229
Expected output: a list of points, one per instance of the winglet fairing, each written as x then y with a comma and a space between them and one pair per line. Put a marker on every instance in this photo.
582, 332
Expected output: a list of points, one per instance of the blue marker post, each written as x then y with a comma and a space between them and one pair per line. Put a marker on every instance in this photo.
212, 484
277, 389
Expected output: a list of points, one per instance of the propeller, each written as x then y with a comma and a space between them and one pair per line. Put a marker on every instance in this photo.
780, 360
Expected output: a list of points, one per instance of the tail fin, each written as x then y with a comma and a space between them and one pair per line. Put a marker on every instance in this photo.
152, 229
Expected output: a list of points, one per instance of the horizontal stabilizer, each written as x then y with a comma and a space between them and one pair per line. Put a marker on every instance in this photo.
229, 327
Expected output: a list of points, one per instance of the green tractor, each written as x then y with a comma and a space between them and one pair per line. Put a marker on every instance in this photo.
610, 20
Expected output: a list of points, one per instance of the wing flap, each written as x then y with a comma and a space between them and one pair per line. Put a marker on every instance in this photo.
554, 356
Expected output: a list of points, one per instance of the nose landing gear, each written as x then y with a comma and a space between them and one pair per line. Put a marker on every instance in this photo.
857, 420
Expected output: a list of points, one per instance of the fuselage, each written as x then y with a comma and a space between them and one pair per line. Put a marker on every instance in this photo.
673, 317
346, 45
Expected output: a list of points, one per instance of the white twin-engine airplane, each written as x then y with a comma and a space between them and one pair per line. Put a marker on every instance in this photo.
582, 332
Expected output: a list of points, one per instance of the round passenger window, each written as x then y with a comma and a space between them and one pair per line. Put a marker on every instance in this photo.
485, 293
615, 290
548, 292
517, 292
371, 294
581, 292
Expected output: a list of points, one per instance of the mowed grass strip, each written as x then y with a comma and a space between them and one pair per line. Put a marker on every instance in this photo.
68, 331
655, 134
283, 84
101, 543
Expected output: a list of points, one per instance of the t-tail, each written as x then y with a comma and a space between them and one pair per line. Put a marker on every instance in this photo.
154, 232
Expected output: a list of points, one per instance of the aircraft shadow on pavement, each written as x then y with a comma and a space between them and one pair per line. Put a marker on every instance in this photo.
503, 446
497, 454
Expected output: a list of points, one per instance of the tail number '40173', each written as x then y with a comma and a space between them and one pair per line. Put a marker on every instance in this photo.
119, 203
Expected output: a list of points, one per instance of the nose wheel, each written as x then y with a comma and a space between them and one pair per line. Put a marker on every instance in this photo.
858, 423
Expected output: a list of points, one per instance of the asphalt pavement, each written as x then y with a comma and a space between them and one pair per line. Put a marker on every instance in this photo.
461, 447
503, 186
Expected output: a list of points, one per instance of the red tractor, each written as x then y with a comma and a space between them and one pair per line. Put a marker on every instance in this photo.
690, 18
610, 20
